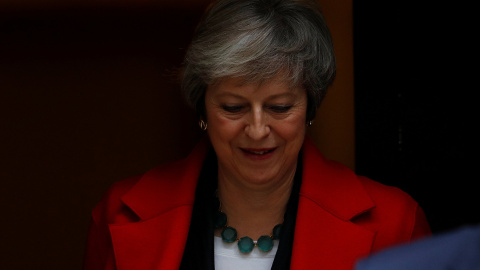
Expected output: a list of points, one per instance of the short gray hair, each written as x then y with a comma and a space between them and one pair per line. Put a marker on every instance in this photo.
257, 40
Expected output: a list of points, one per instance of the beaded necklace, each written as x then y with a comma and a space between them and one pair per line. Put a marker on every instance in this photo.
245, 244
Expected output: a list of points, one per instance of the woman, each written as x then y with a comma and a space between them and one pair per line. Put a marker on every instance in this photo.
255, 194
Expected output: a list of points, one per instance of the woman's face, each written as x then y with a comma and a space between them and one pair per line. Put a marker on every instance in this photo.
257, 130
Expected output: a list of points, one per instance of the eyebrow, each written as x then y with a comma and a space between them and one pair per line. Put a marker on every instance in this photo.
227, 94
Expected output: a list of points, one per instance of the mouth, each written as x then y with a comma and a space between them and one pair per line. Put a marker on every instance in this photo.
258, 151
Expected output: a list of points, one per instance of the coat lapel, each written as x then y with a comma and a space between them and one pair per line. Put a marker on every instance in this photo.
164, 207
157, 243
323, 241
330, 197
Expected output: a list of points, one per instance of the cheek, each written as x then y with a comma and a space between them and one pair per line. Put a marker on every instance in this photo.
293, 134
221, 129
293, 128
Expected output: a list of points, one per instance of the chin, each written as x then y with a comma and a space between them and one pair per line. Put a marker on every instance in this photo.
261, 176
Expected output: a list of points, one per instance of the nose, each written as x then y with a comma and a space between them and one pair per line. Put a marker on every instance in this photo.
257, 127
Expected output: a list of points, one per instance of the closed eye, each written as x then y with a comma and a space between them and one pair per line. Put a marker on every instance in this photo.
232, 108
280, 108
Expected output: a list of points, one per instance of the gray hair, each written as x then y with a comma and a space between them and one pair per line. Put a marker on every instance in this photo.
256, 40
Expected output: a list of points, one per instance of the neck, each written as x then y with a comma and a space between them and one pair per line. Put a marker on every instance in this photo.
254, 210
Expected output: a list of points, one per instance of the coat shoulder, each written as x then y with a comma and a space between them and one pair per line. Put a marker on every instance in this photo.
111, 205
384, 195
396, 218
116, 204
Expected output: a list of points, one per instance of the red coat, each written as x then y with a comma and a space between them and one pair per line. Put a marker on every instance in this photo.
143, 222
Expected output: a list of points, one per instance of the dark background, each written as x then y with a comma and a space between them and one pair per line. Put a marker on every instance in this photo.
88, 96
80, 108
413, 94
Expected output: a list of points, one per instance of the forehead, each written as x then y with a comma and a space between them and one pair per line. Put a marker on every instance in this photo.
242, 86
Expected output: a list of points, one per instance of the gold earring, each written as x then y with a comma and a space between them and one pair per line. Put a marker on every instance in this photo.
202, 124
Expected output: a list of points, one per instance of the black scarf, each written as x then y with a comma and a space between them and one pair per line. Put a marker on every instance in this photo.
199, 253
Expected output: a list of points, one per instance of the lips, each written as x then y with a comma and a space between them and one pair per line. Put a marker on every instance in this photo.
258, 153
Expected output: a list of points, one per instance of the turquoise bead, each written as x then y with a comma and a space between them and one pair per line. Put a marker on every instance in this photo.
229, 235
245, 244
265, 243
276, 231
220, 220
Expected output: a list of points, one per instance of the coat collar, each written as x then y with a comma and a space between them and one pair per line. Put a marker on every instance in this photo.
330, 196
164, 207
329, 184
151, 197
332, 186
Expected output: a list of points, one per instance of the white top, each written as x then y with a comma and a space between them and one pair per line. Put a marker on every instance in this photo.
229, 257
